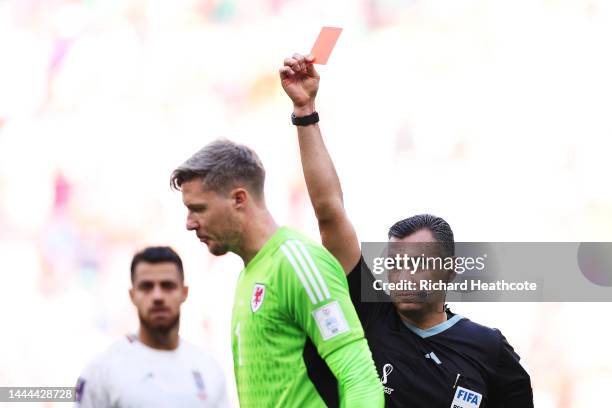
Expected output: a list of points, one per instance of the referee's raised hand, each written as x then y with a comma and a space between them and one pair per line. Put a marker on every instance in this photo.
300, 81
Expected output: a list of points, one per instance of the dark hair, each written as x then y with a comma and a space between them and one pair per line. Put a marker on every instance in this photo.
440, 229
157, 254
222, 164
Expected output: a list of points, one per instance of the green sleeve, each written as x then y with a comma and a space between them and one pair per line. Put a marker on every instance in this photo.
316, 297
358, 382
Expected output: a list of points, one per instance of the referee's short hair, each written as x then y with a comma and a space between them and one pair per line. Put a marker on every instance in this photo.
223, 165
439, 228
157, 254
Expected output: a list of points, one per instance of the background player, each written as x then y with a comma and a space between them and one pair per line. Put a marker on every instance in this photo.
426, 355
291, 297
155, 368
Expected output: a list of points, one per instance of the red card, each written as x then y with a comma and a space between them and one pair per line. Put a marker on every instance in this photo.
324, 45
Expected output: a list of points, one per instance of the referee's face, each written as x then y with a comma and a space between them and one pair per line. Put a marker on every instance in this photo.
421, 244
158, 293
211, 215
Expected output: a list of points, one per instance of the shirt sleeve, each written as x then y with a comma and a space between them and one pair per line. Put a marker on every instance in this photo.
91, 388
316, 297
511, 382
358, 381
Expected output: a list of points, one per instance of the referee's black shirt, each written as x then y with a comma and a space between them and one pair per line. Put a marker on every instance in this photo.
424, 368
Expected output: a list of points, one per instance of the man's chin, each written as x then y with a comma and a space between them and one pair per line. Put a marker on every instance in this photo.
217, 250
157, 329
407, 306
160, 325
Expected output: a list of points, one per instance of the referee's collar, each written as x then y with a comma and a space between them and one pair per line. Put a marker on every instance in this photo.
432, 331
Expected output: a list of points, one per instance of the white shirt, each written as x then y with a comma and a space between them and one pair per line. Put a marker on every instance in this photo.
132, 375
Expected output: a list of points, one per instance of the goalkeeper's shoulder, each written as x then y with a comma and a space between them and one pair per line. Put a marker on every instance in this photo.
310, 250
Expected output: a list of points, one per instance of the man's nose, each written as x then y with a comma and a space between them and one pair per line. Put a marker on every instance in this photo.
158, 293
191, 224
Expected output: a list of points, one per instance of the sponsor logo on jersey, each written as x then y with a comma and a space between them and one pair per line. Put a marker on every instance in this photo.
465, 398
259, 291
387, 368
330, 320
432, 356
199, 381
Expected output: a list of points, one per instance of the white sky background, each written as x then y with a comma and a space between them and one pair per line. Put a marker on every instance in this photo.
491, 114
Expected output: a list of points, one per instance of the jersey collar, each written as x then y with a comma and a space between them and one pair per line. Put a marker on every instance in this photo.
432, 331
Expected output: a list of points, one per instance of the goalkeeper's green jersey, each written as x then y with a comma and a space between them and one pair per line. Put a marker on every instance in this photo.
293, 289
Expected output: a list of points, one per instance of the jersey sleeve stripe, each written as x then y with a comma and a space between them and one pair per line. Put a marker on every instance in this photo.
291, 245
313, 266
298, 272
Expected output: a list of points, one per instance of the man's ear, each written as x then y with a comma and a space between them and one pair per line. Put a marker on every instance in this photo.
131, 292
185, 293
239, 197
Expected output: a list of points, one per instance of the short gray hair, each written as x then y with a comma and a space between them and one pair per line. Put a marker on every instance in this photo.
223, 165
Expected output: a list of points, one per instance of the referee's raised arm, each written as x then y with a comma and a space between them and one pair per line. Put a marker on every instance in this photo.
300, 81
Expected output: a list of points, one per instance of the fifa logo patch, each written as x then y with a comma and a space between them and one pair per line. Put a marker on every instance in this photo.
259, 291
465, 398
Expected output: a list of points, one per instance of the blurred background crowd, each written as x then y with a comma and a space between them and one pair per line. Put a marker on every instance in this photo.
494, 115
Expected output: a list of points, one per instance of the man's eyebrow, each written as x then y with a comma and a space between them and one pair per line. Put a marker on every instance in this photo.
195, 206
161, 282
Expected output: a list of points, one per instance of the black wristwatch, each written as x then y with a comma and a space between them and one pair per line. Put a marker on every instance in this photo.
305, 120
